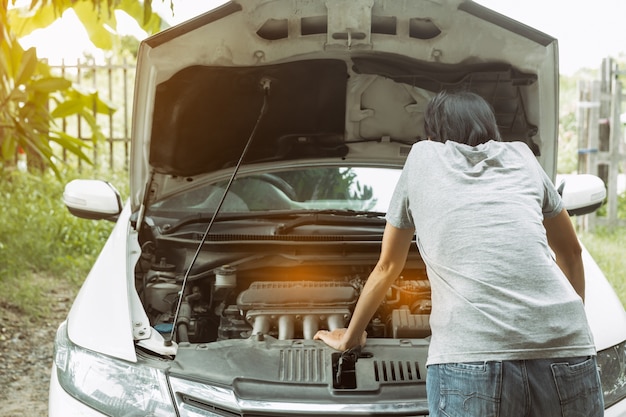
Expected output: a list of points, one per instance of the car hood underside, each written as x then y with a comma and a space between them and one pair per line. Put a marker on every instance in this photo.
327, 81
204, 115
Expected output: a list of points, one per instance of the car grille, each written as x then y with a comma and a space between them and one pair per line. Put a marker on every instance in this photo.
194, 399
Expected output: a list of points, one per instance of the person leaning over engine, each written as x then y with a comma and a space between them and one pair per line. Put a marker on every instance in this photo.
509, 331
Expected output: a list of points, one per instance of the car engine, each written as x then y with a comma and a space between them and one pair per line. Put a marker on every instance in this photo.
292, 302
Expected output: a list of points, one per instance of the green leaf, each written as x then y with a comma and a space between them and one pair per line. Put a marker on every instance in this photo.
33, 142
40, 98
68, 108
12, 55
50, 84
71, 144
92, 100
103, 106
93, 124
94, 23
69, 141
17, 96
134, 9
9, 147
25, 20
27, 66
5, 60
147, 12
36, 115
4, 33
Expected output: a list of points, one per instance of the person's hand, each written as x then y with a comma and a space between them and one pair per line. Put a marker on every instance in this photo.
337, 339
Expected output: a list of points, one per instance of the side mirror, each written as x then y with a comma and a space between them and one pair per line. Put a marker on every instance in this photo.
582, 193
92, 199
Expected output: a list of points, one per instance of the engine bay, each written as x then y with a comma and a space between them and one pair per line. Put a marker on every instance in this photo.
285, 300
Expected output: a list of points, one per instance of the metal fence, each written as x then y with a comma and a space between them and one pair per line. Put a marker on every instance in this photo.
113, 83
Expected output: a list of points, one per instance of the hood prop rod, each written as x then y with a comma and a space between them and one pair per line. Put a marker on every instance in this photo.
265, 86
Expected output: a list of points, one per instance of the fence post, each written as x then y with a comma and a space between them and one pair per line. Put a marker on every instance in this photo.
600, 140
588, 119
615, 156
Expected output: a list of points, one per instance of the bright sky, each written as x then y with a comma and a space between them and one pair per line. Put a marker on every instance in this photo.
588, 31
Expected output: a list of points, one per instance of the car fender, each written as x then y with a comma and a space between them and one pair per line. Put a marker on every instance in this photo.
102, 317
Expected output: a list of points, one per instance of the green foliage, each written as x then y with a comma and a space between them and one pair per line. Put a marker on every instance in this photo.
26, 121
568, 144
97, 16
27, 89
326, 184
40, 238
32, 100
607, 248
621, 208
568, 126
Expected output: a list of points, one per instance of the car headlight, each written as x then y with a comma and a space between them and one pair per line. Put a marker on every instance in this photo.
111, 386
612, 364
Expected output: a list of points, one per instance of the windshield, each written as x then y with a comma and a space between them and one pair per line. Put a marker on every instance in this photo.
326, 188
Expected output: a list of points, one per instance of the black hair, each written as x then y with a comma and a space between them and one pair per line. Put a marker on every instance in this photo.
461, 116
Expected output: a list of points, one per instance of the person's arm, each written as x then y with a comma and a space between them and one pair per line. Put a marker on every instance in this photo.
564, 242
394, 250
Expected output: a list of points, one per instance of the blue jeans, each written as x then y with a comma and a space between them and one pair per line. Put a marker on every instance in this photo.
564, 387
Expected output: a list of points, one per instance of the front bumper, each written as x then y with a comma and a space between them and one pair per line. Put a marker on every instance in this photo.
617, 410
61, 404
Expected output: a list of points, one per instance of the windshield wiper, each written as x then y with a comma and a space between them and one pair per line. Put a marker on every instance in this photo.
362, 216
205, 217
334, 217
347, 212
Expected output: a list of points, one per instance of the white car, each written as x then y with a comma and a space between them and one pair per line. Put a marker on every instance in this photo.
267, 138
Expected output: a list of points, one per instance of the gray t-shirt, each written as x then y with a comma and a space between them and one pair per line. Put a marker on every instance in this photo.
497, 293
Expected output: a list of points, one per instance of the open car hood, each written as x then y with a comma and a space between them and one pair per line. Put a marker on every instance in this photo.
330, 79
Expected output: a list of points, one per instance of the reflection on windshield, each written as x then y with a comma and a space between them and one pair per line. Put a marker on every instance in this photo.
345, 188
383, 181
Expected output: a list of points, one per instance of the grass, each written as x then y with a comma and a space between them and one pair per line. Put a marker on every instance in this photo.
41, 243
608, 248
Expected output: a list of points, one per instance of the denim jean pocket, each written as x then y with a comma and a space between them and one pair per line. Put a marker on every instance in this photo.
470, 389
578, 385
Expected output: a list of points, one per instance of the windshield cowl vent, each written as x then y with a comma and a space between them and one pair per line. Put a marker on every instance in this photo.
302, 365
396, 371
